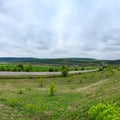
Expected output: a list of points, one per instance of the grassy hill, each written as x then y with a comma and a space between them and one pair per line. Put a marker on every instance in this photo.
29, 99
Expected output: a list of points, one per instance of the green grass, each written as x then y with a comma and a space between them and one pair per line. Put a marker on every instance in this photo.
41, 68
74, 96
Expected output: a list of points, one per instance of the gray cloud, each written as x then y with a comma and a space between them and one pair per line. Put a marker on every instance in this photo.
63, 28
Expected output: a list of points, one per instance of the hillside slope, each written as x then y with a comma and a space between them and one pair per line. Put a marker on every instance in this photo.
74, 96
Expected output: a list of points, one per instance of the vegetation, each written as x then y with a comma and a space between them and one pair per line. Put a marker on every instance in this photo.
28, 68
52, 89
60, 61
41, 82
64, 71
51, 69
20, 91
74, 99
39, 68
36, 109
108, 111
12, 102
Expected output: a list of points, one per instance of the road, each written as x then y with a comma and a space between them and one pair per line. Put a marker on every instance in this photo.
41, 73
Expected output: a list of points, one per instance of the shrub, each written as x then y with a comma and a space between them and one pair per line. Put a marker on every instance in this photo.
52, 89
30, 77
51, 70
70, 80
31, 108
100, 69
76, 69
20, 91
8, 69
41, 82
108, 111
80, 80
15, 69
2, 69
28, 68
56, 70
20, 67
82, 68
64, 71
28, 88
12, 102
36, 108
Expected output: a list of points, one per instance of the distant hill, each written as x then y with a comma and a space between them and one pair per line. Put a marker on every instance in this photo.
57, 61
15, 59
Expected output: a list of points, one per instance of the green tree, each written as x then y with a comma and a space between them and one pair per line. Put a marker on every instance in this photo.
64, 71
41, 82
28, 68
51, 69
20, 67
52, 89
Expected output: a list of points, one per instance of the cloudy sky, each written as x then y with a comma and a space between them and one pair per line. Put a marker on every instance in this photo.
60, 28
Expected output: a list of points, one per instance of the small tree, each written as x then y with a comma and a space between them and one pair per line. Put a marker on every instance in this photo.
20, 67
2, 69
76, 69
52, 89
64, 71
82, 68
15, 69
28, 68
51, 69
41, 82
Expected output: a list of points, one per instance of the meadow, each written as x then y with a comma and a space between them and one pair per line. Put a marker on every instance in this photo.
30, 98
39, 68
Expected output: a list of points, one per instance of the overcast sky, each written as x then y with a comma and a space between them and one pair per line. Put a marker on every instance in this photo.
60, 28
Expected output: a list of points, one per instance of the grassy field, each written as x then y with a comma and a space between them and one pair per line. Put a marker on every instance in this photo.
39, 68
30, 99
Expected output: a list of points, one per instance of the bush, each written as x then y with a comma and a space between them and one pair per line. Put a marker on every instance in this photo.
12, 102
28, 68
76, 69
41, 82
82, 68
20, 67
20, 91
108, 111
64, 71
56, 70
36, 108
28, 88
15, 69
80, 80
30, 77
31, 108
100, 69
51, 69
52, 89
2, 69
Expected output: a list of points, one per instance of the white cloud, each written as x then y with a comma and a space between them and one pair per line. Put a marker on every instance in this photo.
62, 28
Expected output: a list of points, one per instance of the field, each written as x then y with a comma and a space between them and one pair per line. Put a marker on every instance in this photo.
30, 99
39, 68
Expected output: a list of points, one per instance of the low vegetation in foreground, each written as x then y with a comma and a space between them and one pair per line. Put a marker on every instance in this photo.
75, 97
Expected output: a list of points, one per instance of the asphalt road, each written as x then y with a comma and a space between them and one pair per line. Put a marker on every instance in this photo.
40, 73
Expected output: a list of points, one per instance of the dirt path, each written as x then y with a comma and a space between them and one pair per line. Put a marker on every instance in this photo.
40, 73
92, 86
88, 88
